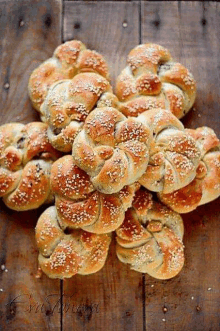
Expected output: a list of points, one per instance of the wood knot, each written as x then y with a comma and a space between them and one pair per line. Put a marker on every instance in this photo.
203, 21
48, 20
77, 25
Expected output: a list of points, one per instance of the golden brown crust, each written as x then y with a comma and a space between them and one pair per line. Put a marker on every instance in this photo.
174, 154
112, 149
64, 255
150, 238
69, 102
206, 185
25, 162
79, 205
153, 80
68, 60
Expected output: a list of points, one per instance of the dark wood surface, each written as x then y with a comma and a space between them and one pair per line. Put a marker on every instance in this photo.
115, 298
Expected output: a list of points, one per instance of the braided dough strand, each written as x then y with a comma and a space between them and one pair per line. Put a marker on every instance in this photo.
26, 157
150, 238
206, 186
68, 60
152, 79
79, 205
63, 255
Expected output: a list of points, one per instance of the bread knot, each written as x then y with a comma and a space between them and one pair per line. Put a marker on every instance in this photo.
64, 254
150, 238
174, 154
127, 141
152, 79
79, 205
69, 102
68, 60
25, 163
206, 185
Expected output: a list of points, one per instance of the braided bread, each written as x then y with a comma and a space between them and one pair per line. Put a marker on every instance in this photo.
153, 80
112, 149
68, 60
150, 238
25, 162
69, 102
206, 186
79, 205
63, 255
174, 154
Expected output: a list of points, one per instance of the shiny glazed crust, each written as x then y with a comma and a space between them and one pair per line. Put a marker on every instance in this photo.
206, 186
112, 149
174, 154
152, 79
150, 238
68, 60
63, 255
79, 205
26, 157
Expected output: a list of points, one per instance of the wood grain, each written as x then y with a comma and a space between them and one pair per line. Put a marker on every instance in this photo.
100, 26
116, 298
190, 30
30, 30
112, 298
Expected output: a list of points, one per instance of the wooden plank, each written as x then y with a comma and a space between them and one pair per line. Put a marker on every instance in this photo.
190, 30
112, 298
111, 28
30, 30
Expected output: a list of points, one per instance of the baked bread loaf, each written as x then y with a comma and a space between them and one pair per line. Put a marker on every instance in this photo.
26, 157
174, 154
112, 149
68, 60
150, 238
62, 255
69, 102
79, 205
152, 79
206, 186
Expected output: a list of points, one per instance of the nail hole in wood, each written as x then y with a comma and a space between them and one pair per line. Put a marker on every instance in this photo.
48, 20
77, 25
203, 21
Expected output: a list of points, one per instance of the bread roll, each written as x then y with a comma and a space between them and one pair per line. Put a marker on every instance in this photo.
68, 104
206, 186
152, 79
150, 238
79, 205
174, 154
25, 164
62, 255
112, 149
68, 60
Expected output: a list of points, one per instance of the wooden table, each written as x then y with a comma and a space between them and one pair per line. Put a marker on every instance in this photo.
115, 298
